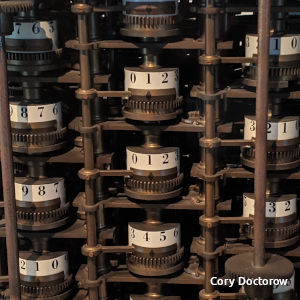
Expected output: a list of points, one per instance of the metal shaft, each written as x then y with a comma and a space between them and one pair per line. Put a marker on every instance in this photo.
85, 80
261, 131
210, 133
8, 182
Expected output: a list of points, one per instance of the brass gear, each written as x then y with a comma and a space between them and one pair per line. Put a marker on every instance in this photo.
43, 216
287, 73
45, 291
163, 186
147, 266
162, 104
151, 22
156, 262
23, 142
276, 233
288, 158
14, 59
15, 6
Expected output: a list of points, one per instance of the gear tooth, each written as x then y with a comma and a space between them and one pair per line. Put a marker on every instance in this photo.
154, 186
45, 217
36, 291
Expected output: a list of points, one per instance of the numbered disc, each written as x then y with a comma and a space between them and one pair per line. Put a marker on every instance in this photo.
41, 265
279, 207
33, 37
158, 236
158, 79
139, 158
284, 45
286, 128
289, 286
41, 190
21, 112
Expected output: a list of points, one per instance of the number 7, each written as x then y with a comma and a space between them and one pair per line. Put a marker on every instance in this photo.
41, 108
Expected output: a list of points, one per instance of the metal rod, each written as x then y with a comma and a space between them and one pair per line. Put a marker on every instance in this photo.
261, 131
85, 81
210, 133
8, 181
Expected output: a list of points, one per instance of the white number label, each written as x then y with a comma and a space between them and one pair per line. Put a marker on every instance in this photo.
36, 113
285, 45
37, 30
151, 80
40, 192
45, 267
153, 162
273, 209
283, 130
154, 239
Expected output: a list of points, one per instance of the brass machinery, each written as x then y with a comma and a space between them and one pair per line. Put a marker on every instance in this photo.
154, 145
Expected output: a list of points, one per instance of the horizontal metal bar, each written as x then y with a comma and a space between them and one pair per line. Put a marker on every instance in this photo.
108, 173
237, 142
237, 60
235, 220
117, 249
113, 94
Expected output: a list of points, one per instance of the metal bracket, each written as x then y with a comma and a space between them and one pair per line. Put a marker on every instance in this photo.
91, 251
89, 94
209, 60
209, 222
210, 143
198, 92
88, 174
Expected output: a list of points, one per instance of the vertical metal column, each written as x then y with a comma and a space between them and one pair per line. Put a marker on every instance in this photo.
89, 174
8, 181
209, 221
210, 133
262, 91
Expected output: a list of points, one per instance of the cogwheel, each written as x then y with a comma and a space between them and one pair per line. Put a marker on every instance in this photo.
274, 157
40, 138
45, 291
156, 262
151, 22
281, 72
276, 234
154, 186
44, 216
13, 57
153, 107
15, 6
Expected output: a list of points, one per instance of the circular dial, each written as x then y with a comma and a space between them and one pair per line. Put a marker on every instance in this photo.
43, 192
286, 128
41, 265
158, 79
283, 206
158, 236
283, 45
157, 250
161, 159
27, 113
33, 36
